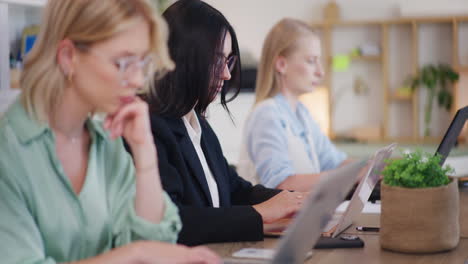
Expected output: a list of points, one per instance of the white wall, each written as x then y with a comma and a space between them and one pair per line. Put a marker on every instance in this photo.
229, 131
253, 19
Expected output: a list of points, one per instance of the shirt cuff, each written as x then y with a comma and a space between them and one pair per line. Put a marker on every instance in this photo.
275, 179
334, 163
167, 230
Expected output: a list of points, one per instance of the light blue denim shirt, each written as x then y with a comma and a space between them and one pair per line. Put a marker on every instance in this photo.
267, 144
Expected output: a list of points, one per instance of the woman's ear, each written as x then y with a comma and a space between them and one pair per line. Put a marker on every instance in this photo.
66, 56
281, 65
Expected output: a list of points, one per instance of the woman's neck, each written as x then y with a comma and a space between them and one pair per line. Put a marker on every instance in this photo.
190, 116
70, 115
291, 98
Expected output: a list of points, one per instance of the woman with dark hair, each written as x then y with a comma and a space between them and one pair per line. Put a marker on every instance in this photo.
215, 204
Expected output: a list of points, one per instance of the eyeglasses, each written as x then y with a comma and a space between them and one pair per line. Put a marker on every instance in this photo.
130, 65
127, 65
222, 62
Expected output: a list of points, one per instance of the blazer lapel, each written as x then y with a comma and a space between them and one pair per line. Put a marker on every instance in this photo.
215, 162
190, 155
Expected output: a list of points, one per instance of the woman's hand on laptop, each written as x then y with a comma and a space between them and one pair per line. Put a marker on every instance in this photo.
283, 205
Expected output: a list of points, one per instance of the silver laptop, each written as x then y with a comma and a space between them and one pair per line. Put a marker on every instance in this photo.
340, 222
302, 234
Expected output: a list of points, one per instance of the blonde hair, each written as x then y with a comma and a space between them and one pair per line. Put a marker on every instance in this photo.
84, 22
281, 41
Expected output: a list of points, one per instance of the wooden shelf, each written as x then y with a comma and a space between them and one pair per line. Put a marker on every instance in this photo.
412, 140
462, 68
367, 58
401, 98
348, 23
403, 20
389, 96
399, 140
361, 58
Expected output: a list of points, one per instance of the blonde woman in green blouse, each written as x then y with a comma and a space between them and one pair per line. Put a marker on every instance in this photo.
68, 190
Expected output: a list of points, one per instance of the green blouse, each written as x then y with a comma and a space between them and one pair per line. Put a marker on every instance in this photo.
42, 220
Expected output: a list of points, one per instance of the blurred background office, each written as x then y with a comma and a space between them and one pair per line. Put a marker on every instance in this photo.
371, 50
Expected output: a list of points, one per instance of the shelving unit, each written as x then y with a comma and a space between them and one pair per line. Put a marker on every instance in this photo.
366, 58
395, 97
14, 16
389, 99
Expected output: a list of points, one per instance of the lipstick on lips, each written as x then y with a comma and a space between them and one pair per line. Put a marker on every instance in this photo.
126, 99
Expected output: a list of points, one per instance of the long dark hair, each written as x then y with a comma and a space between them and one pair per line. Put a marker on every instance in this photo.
196, 38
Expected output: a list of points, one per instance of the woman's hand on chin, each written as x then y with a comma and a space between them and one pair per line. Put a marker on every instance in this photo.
130, 121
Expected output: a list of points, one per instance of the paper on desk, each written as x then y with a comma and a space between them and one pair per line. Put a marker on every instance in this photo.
459, 165
255, 253
369, 208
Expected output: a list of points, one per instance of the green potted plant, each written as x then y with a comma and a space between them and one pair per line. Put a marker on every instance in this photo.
435, 78
420, 205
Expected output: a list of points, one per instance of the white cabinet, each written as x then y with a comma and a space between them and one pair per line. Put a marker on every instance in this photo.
25, 2
15, 15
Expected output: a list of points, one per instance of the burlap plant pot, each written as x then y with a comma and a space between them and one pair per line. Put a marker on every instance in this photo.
424, 220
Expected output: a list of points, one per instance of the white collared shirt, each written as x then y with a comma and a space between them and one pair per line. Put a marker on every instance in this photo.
194, 131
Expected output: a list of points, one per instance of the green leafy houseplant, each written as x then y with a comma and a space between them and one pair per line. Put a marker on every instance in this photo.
435, 78
420, 205
416, 170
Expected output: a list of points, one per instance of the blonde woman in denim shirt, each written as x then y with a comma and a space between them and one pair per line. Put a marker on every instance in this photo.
283, 146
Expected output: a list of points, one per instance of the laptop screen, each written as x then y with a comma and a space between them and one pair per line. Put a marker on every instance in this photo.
304, 231
450, 137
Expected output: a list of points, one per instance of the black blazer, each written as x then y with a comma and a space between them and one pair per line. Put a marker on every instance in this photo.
183, 179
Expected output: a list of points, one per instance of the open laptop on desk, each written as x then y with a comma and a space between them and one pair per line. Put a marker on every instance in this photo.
452, 133
362, 193
302, 234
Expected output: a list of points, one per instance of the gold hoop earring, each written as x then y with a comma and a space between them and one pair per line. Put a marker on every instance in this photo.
70, 77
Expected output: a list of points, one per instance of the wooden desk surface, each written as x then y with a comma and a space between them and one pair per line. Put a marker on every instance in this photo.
370, 254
